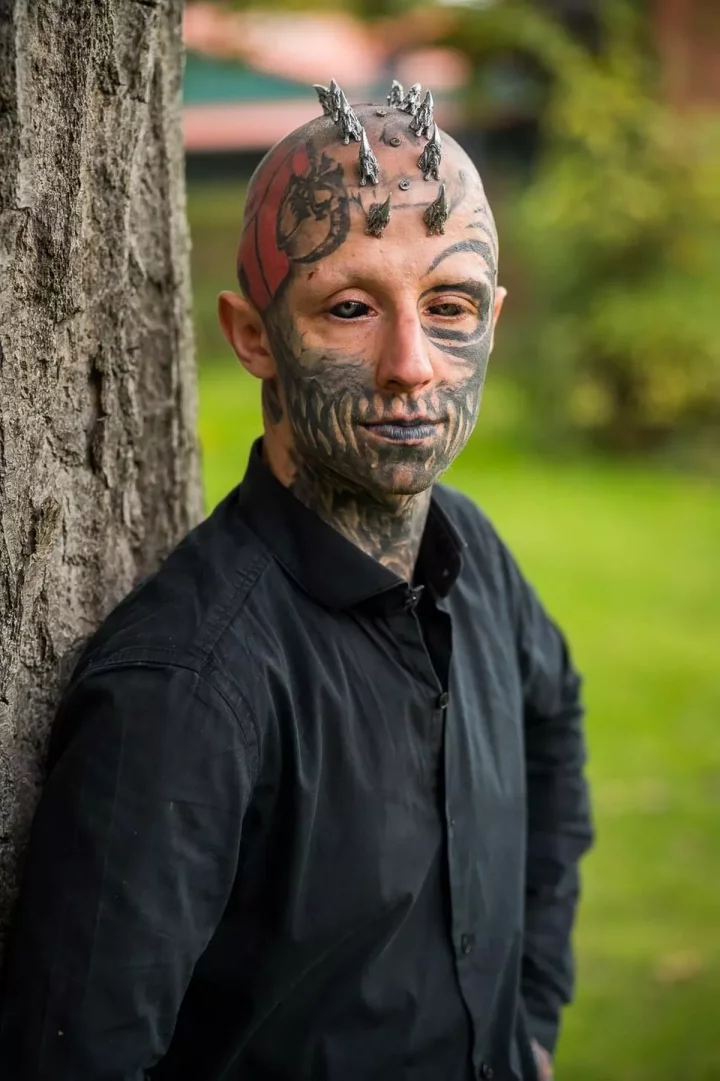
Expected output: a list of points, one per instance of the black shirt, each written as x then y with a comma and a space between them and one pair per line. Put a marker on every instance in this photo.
304, 821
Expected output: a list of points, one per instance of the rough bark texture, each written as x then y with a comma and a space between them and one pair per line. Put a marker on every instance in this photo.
98, 465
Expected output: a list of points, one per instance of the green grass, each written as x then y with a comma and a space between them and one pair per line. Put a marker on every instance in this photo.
628, 560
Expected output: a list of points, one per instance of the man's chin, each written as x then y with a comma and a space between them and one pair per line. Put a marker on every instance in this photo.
400, 471
401, 479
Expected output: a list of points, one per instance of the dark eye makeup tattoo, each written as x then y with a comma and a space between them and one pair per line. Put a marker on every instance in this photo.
350, 309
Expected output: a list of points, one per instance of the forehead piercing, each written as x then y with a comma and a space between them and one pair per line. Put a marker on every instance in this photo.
395, 141
378, 218
422, 120
410, 102
381, 112
369, 168
437, 213
396, 93
404, 185
429, 160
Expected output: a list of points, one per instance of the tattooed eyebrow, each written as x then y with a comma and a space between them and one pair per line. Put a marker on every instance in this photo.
477, 246
472, 286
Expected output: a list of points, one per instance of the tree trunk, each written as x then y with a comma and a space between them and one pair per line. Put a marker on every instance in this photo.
98, 464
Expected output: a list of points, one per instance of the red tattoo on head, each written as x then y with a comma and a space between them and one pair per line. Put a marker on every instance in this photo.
262, 265
297, 212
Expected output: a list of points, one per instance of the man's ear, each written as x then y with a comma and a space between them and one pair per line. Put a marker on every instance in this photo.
500, 294
244, 329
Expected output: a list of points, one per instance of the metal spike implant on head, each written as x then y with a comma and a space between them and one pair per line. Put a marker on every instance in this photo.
369, 168
335, 105
396, 95
411, 101
351, 126
437, 213
324, 98
378, 218
429, 160
330, 98
423, 119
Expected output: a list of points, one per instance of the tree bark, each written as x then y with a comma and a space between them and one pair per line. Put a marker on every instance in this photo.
98, 462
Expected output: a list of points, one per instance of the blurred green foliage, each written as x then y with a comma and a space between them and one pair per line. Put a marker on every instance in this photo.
615, 240
618, 234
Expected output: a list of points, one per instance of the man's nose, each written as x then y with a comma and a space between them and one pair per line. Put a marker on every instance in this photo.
405, 359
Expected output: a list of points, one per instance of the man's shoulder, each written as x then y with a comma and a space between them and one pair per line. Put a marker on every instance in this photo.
470, 521
485, 553
180, 613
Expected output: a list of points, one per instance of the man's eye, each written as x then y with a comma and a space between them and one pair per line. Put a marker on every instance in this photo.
448, 310
350, 309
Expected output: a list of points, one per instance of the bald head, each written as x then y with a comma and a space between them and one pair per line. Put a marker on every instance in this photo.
307, 198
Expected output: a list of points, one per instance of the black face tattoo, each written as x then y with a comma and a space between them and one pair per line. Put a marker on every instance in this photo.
375, 491
345, 474
337, 473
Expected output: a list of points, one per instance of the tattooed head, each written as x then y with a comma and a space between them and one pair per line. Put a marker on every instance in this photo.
372, 348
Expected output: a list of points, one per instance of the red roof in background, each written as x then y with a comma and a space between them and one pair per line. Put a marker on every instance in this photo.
251, 125
309, 48
305, 46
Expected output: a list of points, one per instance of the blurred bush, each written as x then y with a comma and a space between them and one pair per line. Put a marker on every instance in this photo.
618, 233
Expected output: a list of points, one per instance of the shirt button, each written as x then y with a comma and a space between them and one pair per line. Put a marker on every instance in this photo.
467, 943
443, 700
486, 1072
412, 597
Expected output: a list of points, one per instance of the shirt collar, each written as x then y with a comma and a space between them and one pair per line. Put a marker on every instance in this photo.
325, 564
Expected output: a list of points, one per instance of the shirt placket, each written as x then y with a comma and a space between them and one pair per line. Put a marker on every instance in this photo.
465, 904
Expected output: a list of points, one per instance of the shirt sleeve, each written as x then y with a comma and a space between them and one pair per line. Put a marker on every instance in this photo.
131, 860
559, 829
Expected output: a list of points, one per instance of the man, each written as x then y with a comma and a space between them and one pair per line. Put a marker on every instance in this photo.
316, 804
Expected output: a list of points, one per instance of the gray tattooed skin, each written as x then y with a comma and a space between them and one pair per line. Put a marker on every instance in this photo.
380, 345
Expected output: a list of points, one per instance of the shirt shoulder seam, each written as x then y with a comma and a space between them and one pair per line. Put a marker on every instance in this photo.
161, 658
199, 655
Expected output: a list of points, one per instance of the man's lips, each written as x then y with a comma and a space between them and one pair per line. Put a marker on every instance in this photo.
400, 422
403, 429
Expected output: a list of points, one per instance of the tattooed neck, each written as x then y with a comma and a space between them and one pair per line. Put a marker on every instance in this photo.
388, 531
